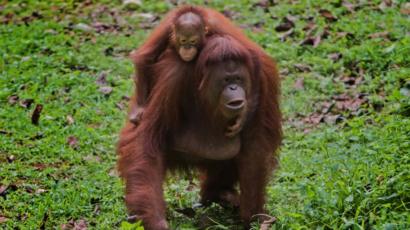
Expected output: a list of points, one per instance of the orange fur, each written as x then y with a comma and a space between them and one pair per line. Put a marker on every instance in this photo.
144, 151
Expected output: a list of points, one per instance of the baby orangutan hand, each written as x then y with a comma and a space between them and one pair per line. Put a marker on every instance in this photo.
237, 126
135, 115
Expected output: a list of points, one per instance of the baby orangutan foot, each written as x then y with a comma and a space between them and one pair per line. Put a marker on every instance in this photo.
135, 115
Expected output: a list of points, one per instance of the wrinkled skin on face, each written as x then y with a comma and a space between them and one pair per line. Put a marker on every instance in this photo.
189, 33
227, 90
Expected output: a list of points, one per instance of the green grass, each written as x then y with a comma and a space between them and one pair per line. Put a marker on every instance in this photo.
353, 174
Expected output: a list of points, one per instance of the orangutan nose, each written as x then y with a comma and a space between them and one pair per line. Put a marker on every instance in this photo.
233, 87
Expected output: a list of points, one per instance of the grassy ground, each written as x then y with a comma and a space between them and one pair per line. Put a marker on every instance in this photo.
345, 160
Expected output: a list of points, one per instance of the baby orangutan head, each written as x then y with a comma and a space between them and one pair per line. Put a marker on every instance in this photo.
188, 35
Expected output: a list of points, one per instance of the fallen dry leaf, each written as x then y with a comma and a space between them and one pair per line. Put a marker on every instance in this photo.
228, 13
70, 120
299, 84
286, 24
5, 132
385, 4
258, 27
302, 67
347, 103
100, 27
92, 158
284, 27
333, 119
83, 27
106, 90
7, 18
102, 79
328, 15
284, 72
343, 34
314, 118
326, 32
35, 15
3, 189
11, 158
97, 209
316, 41
309, 27
13, 99
109, 51
37, 136
405, 9
349, 6
3, 219
351, 81
289, 33
75, 225
35, 117
131, 3
29, 189
267, 223
150, 20
326, 107
113, 173
40, 190
72, 141
26, 103
265, 4
80, 225
335, 56
147, 16
120, 105
383, 34
39, 166
311, 40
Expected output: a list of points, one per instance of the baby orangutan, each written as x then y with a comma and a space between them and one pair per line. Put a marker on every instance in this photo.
183, 34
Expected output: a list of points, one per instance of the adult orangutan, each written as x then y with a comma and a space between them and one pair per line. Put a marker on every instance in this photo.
220, 116
182, 34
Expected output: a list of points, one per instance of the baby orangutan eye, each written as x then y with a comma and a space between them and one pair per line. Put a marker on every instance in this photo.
193, 42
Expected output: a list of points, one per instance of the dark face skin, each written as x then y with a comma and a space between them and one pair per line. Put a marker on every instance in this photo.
227, 88
189, 34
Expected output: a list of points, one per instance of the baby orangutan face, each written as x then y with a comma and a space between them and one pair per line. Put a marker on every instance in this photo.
189, 33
